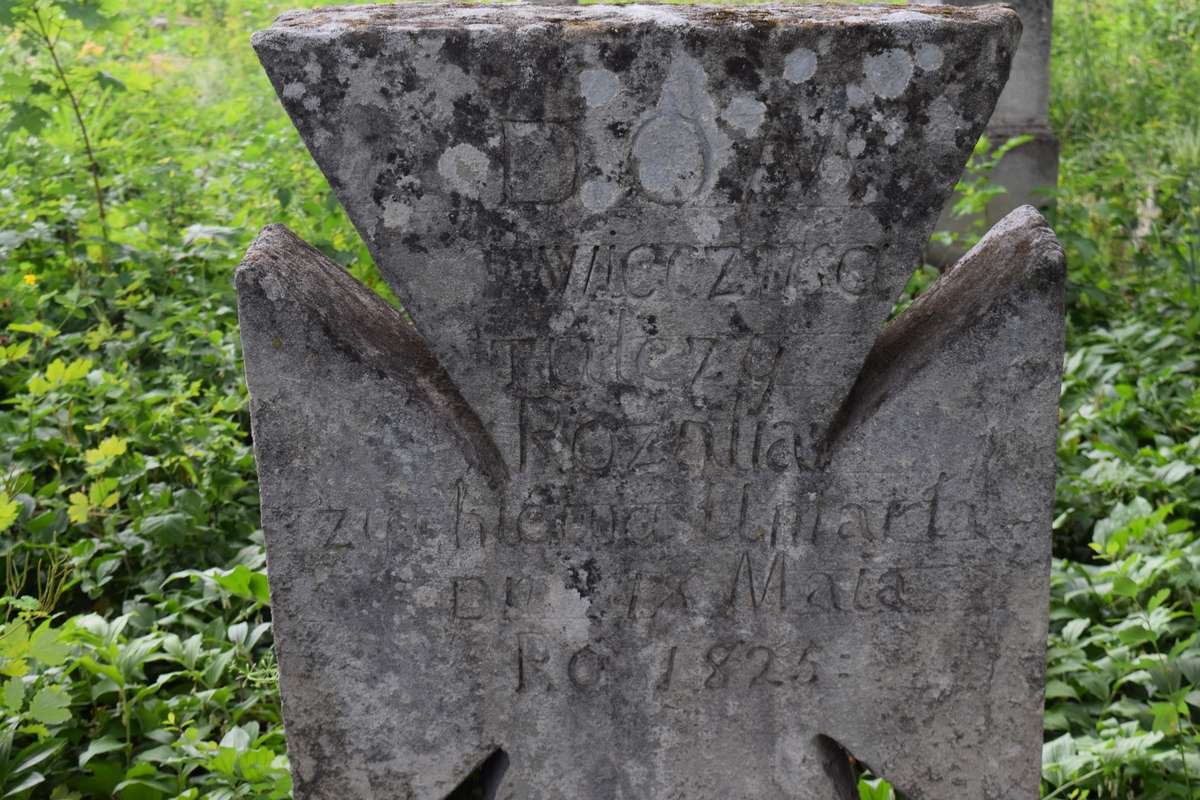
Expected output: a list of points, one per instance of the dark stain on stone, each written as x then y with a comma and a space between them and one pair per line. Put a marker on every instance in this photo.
585, 578
743, 71
470, 121
456, 49
617, 57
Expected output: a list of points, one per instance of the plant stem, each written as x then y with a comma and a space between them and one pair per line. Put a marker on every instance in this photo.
93, 164
1074, 782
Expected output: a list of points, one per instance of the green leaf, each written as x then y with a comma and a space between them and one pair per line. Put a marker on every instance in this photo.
1166, 717
35, 754
49, 706
98, 747
9, 509
99, 457
236, 738
27, 117
108, 670
166, 529
1158, 599
28, 782
9, 10
47, 645
78, 509
1124, 586
1059, 689
14, 694
1136, 634
86, 12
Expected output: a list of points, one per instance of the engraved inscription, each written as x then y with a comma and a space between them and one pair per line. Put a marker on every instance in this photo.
665, 271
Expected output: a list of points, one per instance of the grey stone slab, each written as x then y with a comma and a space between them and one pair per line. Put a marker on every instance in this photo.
642, 497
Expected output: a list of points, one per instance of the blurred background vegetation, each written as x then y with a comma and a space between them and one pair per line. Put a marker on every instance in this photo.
142, 149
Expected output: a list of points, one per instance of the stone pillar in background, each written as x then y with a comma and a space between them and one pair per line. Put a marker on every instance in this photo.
646, 501
1022, 110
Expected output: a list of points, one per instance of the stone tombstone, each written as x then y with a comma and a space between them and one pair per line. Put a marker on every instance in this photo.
1023, 109
645, 501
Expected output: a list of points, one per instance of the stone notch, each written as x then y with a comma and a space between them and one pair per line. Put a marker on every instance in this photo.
548, 188
635, 509
1024, 261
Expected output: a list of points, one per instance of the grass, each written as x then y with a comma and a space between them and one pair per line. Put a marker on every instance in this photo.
135, 656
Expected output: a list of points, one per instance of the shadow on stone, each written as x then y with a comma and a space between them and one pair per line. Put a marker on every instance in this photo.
484, 781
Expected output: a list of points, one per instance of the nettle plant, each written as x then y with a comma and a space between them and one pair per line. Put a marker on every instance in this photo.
1122, 698
1125, 653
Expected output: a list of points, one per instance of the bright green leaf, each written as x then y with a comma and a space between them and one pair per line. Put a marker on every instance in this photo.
49, 706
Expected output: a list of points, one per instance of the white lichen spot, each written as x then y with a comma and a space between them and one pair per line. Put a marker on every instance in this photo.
598, 86
746, 114
929, 57
293, 90
799, 65
465, 169
896, 131
856, 146
312, 70
679, 148
670, 154
598, 194
396, 214
426, 597
855, 96
705, 227
944, 121
835, 171
888, 73
570, 609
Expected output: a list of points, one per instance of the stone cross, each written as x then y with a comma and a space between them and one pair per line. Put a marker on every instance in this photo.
648, 500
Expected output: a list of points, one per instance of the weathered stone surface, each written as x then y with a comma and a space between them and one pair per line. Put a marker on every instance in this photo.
634, 499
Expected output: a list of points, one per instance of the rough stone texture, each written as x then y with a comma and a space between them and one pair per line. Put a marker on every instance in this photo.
634, 500
1022, 110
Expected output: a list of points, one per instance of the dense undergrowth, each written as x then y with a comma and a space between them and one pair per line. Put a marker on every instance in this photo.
135, 655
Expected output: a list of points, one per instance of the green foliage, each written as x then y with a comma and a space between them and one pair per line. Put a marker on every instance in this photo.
124, 442
975, 190
141, 150
1122, 702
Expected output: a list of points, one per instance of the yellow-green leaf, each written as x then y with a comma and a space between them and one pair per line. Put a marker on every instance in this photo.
55, 372
9, 509
106, 451
38, 385
79, 509
78, 369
